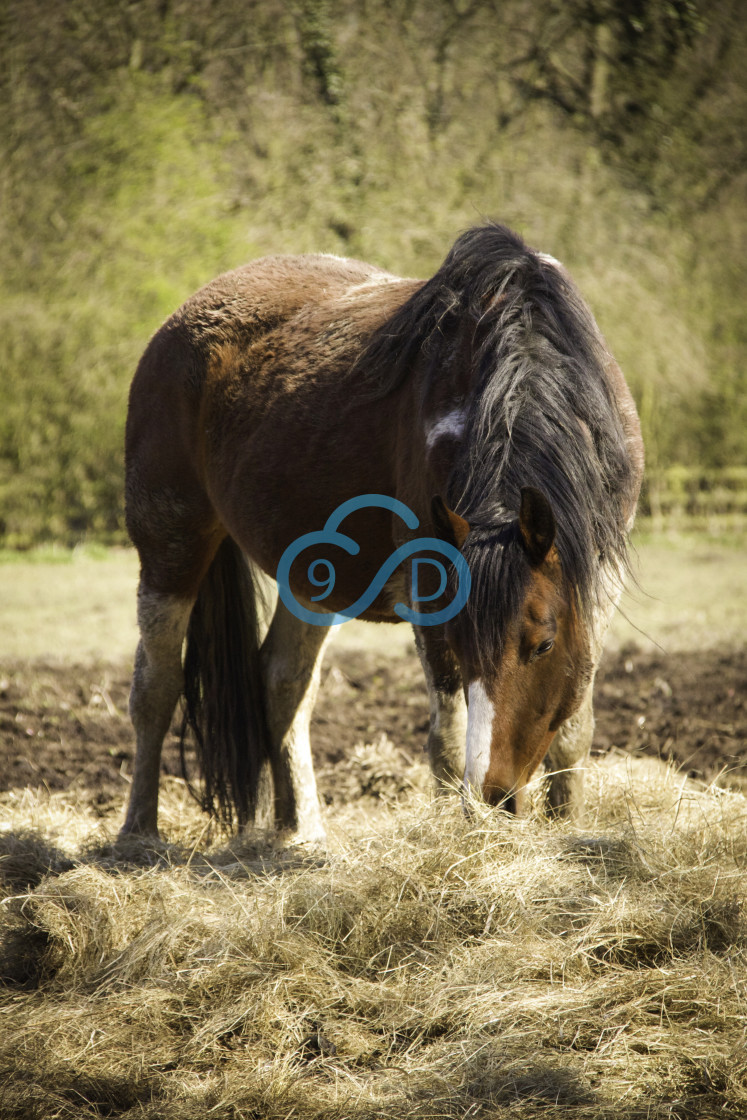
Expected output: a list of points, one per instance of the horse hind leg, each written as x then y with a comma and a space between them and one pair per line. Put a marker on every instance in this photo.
291, 658
169, 526
156, 687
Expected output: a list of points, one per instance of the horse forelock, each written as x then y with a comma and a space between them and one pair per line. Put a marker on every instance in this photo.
499, 574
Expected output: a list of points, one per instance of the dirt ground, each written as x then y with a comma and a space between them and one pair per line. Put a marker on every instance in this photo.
66, 727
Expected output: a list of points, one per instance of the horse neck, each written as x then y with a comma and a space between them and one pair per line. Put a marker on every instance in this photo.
442, 392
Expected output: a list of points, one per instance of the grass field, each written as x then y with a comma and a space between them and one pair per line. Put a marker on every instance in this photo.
428, 965
80, 604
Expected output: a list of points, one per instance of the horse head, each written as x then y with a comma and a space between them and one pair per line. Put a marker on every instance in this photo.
524, 676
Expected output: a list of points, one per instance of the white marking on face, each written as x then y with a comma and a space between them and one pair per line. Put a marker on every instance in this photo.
480, 715
452, 424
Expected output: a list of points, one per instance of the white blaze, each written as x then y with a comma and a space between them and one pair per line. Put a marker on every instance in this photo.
480, 715
452, 424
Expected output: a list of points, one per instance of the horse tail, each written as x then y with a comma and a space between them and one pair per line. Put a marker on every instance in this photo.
223, 693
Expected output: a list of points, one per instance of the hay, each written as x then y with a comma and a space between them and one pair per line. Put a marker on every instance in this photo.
432, 965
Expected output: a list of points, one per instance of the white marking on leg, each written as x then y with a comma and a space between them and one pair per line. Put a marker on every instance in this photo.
452, 424
294, 752
156, 684
447, 735
292, 656
447, 731
480, 714
450, 716
569, 749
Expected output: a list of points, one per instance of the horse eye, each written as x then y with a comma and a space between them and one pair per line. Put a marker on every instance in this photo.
544, 647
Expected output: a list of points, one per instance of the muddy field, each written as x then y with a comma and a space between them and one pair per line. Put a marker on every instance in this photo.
66, 728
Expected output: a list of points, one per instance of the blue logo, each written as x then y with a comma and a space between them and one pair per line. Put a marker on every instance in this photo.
321, 573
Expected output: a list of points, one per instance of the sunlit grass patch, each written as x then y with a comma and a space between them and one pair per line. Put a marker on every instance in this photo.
431, 964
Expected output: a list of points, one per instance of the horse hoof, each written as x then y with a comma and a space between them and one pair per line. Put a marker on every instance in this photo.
309, 847
138, 831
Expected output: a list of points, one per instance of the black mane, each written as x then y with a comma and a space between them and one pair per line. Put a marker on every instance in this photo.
541, 413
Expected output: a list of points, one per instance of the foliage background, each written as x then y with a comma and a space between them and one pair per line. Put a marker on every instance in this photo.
146, 146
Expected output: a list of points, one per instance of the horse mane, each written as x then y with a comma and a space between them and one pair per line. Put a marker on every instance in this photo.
541, 413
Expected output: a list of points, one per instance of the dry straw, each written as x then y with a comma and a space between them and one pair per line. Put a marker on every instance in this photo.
431, 965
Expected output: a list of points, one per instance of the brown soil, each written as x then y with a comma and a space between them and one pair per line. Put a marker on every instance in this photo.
66, 727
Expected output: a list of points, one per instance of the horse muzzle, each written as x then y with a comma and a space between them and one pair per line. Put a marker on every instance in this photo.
512, 800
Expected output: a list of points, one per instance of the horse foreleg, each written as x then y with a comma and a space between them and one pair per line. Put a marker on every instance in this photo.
570, 748
447, 733
566, 759
156, 686
291, 658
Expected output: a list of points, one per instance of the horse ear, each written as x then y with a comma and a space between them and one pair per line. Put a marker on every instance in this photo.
450, 527
536, 524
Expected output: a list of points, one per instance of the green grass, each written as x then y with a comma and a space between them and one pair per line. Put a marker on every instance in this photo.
75, 605
138, 159
691, 593
79, 605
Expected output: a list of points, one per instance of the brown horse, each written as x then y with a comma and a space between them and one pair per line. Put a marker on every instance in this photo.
485, 400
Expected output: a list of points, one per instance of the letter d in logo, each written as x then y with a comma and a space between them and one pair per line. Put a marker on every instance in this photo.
416, 596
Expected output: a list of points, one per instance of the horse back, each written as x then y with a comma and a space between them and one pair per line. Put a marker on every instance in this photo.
244, 396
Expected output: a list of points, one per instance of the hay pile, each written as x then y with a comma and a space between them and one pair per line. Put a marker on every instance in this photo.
431, 966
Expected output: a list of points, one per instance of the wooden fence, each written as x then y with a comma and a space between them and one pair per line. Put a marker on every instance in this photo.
695, 495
